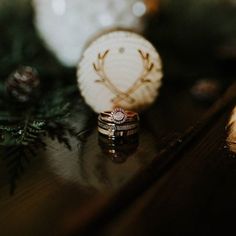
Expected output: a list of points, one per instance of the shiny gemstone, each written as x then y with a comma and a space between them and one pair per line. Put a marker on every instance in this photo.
119, 115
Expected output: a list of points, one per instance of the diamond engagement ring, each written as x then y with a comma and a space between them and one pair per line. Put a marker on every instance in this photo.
118, 123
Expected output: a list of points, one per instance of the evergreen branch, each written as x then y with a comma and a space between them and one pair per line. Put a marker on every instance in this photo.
18, 153
56, 112
17, 158
21, 136
30, 132
59, 131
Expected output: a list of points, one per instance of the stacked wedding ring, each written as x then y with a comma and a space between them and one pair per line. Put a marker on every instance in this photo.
118, 123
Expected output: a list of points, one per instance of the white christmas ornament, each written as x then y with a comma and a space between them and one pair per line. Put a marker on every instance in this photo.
67, 25
120, 69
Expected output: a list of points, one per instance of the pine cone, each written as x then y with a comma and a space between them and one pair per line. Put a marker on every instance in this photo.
23, 84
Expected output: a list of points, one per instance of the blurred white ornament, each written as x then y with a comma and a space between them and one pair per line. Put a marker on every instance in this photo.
120, 69
67, 25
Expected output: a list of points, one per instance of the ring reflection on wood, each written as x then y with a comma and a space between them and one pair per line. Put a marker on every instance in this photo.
119, 149
93, 169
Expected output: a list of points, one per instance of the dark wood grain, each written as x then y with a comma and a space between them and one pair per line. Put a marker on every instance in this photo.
168, 157
69, 192
196, 195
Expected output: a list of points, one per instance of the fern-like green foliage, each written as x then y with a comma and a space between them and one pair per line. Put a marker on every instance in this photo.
22, 133
23, 127
23, 141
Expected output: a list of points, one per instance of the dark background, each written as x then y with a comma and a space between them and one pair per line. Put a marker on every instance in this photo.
182, 177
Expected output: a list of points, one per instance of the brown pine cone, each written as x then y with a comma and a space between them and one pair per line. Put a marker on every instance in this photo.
23, 84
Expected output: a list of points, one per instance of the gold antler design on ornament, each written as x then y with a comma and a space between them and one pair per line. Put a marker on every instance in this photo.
120, 95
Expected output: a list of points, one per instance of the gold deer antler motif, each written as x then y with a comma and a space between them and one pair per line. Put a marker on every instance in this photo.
120, 95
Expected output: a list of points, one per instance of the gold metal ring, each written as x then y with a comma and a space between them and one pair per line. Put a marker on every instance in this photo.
122, 127
118, 123
112, 133
119, 116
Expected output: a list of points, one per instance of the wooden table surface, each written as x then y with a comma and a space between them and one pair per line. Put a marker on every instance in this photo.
181, 179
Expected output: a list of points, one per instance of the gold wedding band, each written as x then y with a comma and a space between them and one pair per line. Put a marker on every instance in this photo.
119, 115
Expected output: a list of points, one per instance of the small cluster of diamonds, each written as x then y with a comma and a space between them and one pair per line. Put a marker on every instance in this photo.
118, 116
